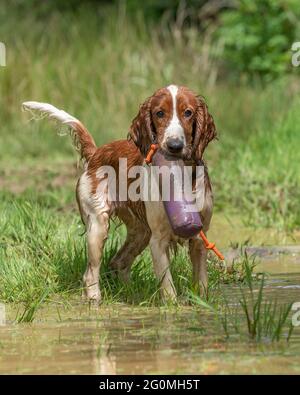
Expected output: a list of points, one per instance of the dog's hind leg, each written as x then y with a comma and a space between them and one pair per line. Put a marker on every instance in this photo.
95, 215
137, 239
96, 236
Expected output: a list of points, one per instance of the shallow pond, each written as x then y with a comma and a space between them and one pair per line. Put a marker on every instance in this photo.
134, 340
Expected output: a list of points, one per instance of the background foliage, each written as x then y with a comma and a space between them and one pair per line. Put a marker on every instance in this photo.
258, 35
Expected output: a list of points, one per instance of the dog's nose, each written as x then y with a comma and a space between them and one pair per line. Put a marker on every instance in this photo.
174, 145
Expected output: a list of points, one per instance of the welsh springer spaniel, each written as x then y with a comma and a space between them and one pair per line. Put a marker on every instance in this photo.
179, 122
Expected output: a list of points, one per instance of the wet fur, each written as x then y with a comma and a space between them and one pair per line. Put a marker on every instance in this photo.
146, 223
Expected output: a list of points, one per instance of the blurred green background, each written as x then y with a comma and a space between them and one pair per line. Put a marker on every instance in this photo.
99, 60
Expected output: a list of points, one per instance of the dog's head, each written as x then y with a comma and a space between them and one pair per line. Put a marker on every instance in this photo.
177, 120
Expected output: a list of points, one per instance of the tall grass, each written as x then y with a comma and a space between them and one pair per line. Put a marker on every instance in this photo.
266, 167
101, 65
43, 254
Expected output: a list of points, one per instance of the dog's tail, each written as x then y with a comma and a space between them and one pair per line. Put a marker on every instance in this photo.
83, 141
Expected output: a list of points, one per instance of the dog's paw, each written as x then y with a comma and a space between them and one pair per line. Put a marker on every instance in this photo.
168, 295
92, 294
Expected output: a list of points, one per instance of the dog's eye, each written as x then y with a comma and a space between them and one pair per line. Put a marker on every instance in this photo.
160, 114
188, 113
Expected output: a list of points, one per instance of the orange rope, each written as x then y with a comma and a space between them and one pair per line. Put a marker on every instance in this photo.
153, 149
211, 246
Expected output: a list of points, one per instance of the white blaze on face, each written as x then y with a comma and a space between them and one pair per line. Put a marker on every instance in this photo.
174, 129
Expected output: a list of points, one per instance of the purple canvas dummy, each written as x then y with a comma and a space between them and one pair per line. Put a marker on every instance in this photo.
180, 207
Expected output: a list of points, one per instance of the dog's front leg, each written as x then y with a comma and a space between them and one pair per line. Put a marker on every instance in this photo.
97, 230
159, 251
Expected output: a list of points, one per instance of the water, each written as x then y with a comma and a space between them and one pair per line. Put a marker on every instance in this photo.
133, 340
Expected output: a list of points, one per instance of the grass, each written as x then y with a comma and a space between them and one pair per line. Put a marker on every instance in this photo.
43, 252
268, 190
92, 65
101, 75
251, 313
265, 319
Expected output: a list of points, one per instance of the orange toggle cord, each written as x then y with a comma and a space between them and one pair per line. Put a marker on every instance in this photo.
211, 246
153, 149
208, 245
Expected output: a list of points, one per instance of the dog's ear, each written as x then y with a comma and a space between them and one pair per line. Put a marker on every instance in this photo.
142, 131
204, 129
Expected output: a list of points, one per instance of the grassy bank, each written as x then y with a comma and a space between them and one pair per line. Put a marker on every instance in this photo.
100, 67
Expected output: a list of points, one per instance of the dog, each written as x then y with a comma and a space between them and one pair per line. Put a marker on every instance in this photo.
178, 121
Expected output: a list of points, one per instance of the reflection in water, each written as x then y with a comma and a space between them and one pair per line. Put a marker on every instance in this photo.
132, 340
104, 364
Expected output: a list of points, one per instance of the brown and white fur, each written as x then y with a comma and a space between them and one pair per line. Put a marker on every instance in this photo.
176, 119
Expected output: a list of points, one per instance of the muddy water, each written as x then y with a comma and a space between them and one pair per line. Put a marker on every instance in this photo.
121, 339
